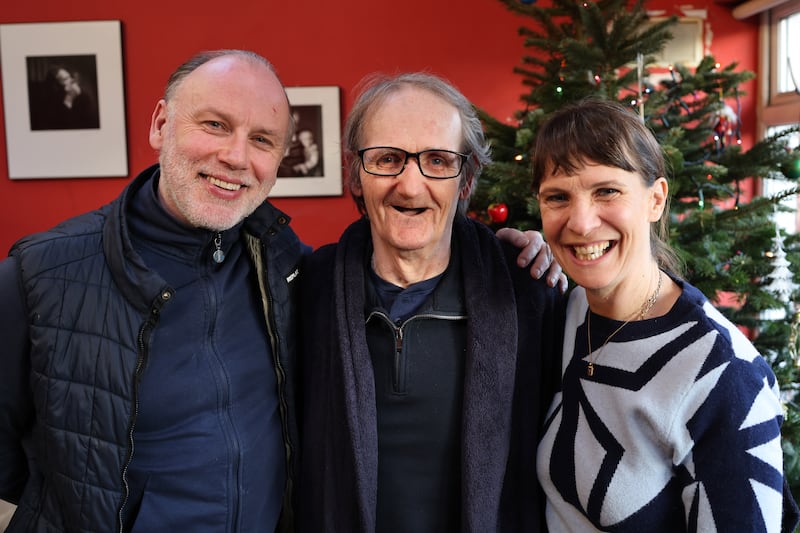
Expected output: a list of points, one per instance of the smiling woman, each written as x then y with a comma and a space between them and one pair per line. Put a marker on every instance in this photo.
654, 379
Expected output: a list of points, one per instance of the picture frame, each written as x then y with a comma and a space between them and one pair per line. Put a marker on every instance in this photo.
64, 99
686, 46
312, 165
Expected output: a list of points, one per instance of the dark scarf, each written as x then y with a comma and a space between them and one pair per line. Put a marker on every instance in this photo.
351, 442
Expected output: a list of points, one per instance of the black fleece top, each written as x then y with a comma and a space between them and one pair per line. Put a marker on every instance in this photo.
419, 363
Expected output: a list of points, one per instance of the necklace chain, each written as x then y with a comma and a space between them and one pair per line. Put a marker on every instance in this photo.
647, 306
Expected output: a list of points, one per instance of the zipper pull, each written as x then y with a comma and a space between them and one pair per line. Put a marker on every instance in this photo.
219, 255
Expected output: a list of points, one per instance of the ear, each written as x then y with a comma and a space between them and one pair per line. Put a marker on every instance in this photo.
466, 189
157, 125
355, 186
659, 193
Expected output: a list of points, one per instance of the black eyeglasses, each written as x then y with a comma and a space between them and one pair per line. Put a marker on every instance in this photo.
389, 161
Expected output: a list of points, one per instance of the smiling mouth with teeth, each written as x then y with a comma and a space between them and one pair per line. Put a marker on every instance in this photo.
591, 252
224, 184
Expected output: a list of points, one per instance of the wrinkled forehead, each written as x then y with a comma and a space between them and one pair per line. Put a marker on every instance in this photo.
414, 115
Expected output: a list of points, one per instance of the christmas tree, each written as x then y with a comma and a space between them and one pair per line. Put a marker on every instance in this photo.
727, 241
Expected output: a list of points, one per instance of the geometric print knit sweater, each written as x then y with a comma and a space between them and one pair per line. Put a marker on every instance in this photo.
677, 429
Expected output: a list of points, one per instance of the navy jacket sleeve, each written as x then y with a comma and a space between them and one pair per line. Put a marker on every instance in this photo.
16, 403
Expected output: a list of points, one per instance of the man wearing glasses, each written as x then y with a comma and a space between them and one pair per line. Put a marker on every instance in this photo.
427, 349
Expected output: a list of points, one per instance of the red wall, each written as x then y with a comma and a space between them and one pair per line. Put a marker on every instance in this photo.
473, 43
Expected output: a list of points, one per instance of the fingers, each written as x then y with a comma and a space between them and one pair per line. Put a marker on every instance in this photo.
563, 282
555, 274
514, 237
542, 261
556, 277
529, 243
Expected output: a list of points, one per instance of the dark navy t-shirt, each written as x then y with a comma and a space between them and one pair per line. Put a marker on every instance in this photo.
402, 302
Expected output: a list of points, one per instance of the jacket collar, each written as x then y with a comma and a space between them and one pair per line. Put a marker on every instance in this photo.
144, 288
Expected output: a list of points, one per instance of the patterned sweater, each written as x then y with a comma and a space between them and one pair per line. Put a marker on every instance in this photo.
678, 428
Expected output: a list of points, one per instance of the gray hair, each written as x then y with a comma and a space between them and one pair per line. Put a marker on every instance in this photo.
376, 89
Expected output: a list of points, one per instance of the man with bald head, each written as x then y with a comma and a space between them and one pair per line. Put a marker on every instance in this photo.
148, 346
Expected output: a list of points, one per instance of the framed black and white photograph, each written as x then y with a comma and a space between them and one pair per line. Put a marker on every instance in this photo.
312, 164
64, 99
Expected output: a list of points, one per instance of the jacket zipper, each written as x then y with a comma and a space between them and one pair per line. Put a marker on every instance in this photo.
399, 384
141, 343
398, 330
224, 406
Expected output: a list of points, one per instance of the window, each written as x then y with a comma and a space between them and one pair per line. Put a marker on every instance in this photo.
785, 220
780, 75
783, 105
788, 67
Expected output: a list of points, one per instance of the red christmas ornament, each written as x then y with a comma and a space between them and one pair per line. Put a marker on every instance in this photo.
498, 213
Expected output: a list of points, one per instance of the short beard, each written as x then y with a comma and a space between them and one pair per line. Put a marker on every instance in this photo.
180, 175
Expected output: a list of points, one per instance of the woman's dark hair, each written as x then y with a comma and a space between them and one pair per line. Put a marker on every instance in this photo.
606, 133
